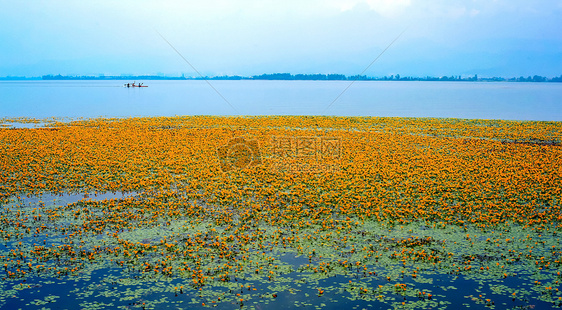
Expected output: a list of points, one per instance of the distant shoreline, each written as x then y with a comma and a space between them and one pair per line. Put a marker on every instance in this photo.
291, 77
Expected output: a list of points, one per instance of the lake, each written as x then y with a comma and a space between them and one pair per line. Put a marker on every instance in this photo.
481, 100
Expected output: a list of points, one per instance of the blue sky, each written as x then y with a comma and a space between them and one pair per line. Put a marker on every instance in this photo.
443, 37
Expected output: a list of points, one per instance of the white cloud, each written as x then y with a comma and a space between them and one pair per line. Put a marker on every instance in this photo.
388, 7
383, 7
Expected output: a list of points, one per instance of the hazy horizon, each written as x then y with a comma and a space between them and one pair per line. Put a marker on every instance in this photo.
488, 38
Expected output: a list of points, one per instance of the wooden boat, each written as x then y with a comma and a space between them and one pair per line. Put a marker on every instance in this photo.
134, 85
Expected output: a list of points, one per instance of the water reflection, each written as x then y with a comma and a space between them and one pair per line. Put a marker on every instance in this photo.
23, 125
68, 198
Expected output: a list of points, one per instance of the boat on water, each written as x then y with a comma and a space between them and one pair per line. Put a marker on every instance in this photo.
134, 85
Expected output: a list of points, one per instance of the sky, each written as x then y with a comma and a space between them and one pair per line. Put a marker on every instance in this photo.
508, 38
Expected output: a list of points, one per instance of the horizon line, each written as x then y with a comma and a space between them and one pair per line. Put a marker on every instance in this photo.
290, 76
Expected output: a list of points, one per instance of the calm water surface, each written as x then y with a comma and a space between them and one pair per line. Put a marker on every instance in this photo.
497, 100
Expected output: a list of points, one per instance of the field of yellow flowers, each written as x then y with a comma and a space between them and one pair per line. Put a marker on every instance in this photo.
280, 212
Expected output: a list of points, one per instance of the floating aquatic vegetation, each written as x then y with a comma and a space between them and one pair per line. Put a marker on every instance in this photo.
420, 213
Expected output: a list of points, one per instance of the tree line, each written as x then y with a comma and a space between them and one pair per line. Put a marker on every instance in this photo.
310, 77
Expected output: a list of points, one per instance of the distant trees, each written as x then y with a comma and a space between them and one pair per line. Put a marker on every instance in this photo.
227, 77
398, 77
336, 77
288, 76
536, 78
274, 76
446, 78
300, 77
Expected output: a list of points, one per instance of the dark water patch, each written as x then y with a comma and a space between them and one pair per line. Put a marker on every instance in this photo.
533, 142
15, 125
68, 198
